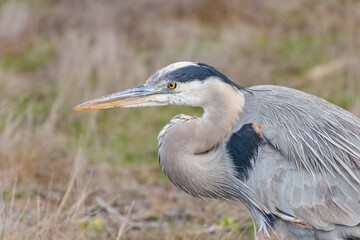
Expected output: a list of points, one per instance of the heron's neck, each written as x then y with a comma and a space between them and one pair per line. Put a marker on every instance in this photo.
188, 145
210, 129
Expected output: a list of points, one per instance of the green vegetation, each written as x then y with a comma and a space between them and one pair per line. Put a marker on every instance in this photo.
3, 2
30, 58
96, 225
228, 221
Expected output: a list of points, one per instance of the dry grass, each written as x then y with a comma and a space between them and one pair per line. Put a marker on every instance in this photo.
94, 175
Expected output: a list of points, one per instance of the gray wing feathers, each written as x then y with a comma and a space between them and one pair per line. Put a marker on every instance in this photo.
307, 130
323, 201
323, 205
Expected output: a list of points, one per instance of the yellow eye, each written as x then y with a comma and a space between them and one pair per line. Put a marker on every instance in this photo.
171, 85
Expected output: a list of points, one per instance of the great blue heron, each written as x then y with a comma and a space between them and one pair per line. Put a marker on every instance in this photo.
291, 158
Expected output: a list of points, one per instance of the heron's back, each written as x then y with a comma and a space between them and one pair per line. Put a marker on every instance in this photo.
309, 131
309, 166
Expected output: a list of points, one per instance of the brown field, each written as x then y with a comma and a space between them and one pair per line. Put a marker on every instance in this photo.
95, 175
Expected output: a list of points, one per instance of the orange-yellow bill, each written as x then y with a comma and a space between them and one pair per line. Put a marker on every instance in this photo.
128, 98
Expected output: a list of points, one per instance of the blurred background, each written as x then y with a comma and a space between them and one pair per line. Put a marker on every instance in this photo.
95, 175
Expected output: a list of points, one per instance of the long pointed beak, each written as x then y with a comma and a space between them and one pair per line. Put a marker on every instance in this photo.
128, 98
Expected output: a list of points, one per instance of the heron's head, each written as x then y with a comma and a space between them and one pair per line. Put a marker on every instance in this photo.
182, 83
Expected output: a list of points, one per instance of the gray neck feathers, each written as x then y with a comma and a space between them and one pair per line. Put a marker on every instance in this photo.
191, 153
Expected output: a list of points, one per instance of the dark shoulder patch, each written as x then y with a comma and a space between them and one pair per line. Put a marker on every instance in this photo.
243, 146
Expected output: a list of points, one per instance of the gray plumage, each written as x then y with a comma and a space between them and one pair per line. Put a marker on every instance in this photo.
292, 158
309, 167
